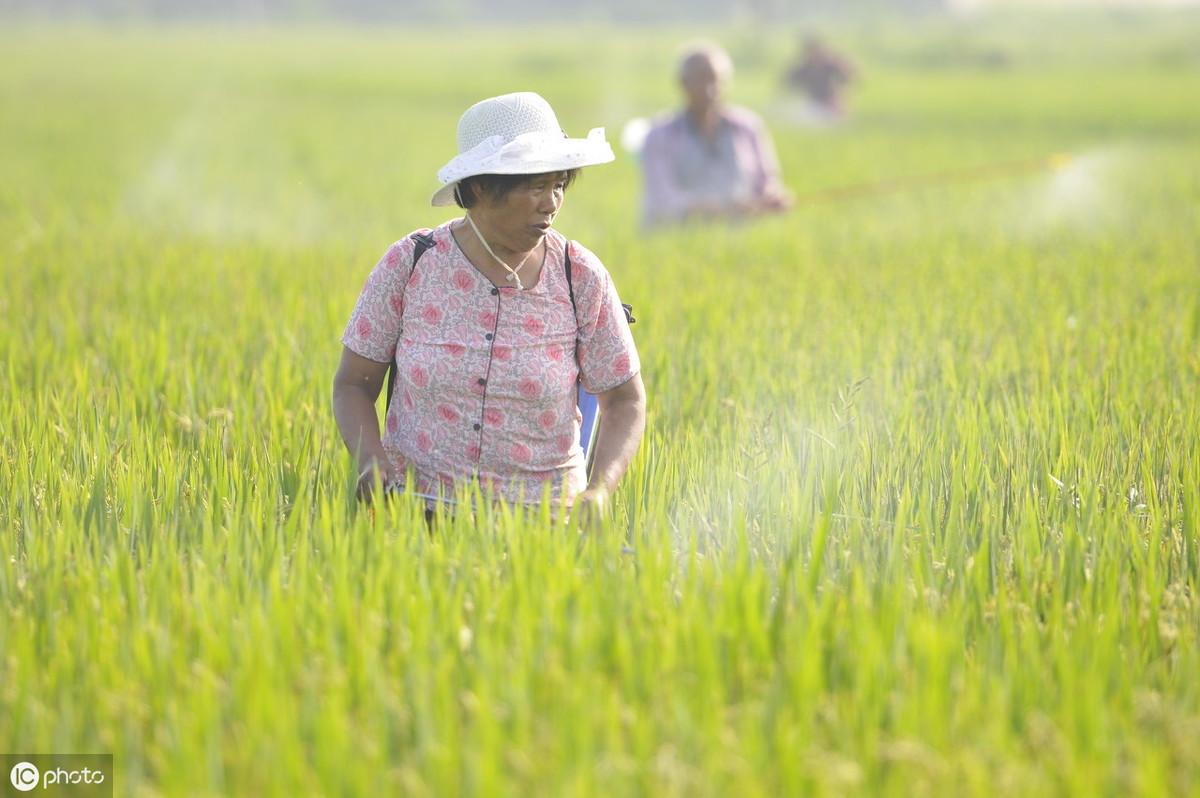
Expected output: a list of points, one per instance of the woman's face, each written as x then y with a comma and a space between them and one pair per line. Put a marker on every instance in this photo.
522, 217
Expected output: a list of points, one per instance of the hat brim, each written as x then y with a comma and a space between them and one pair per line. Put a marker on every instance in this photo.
530, 154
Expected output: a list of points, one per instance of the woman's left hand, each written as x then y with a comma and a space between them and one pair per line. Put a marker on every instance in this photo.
591, 507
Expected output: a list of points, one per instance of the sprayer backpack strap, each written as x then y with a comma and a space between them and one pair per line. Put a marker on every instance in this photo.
571, 288
421, 243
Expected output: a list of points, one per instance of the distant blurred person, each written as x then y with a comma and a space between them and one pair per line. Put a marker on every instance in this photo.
710, 160
822, 76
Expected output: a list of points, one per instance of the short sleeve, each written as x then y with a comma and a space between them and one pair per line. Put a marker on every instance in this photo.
375, 324
663, 200
767, 177
605, 349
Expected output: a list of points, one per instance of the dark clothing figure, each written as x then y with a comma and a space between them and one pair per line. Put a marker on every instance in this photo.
822, 76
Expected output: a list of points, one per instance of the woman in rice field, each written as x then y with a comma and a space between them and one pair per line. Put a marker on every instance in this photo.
492, 320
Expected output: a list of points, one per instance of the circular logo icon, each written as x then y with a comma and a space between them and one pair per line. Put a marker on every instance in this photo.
24, 776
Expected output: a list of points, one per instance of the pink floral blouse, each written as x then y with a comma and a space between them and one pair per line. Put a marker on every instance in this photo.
486, 376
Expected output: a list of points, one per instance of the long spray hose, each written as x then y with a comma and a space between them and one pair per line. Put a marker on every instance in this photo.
634, 133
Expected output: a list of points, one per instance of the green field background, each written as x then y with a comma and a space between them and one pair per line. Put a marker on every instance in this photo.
918, 508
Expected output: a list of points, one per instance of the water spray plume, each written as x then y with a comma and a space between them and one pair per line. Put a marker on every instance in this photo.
633, 135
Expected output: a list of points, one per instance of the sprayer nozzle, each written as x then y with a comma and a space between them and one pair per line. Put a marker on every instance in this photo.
1059, 160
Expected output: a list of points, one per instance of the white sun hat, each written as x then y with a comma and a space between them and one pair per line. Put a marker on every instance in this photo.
516, 134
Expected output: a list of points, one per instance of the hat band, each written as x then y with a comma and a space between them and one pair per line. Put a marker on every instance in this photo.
494, 154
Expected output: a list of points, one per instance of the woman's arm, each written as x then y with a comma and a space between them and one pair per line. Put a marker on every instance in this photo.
356, 386
622, 424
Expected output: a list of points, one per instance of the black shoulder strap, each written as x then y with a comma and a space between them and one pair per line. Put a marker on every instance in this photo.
421, 243
571, 287
570, 283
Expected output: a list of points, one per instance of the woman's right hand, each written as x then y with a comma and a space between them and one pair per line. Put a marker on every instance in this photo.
356, 385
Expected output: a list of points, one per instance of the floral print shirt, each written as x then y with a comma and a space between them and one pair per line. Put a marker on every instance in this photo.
487, 375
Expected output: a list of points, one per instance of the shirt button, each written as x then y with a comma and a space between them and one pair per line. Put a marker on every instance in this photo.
495, 292
488, 337
482, 381
476, 427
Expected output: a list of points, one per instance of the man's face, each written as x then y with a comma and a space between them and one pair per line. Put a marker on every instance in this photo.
702, 83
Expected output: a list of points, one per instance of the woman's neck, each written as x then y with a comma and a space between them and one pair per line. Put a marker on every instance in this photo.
493, 239
502, 265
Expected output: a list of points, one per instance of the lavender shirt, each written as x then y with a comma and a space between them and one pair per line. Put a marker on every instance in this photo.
683, 169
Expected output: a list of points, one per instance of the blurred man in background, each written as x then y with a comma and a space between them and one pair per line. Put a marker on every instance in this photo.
709, 160
822, 76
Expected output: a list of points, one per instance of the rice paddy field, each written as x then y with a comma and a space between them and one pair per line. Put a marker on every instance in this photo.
917, 512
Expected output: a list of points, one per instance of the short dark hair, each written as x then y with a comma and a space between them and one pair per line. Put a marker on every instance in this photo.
498, 187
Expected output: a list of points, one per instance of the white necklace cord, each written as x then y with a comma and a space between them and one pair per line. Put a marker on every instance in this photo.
512, 273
